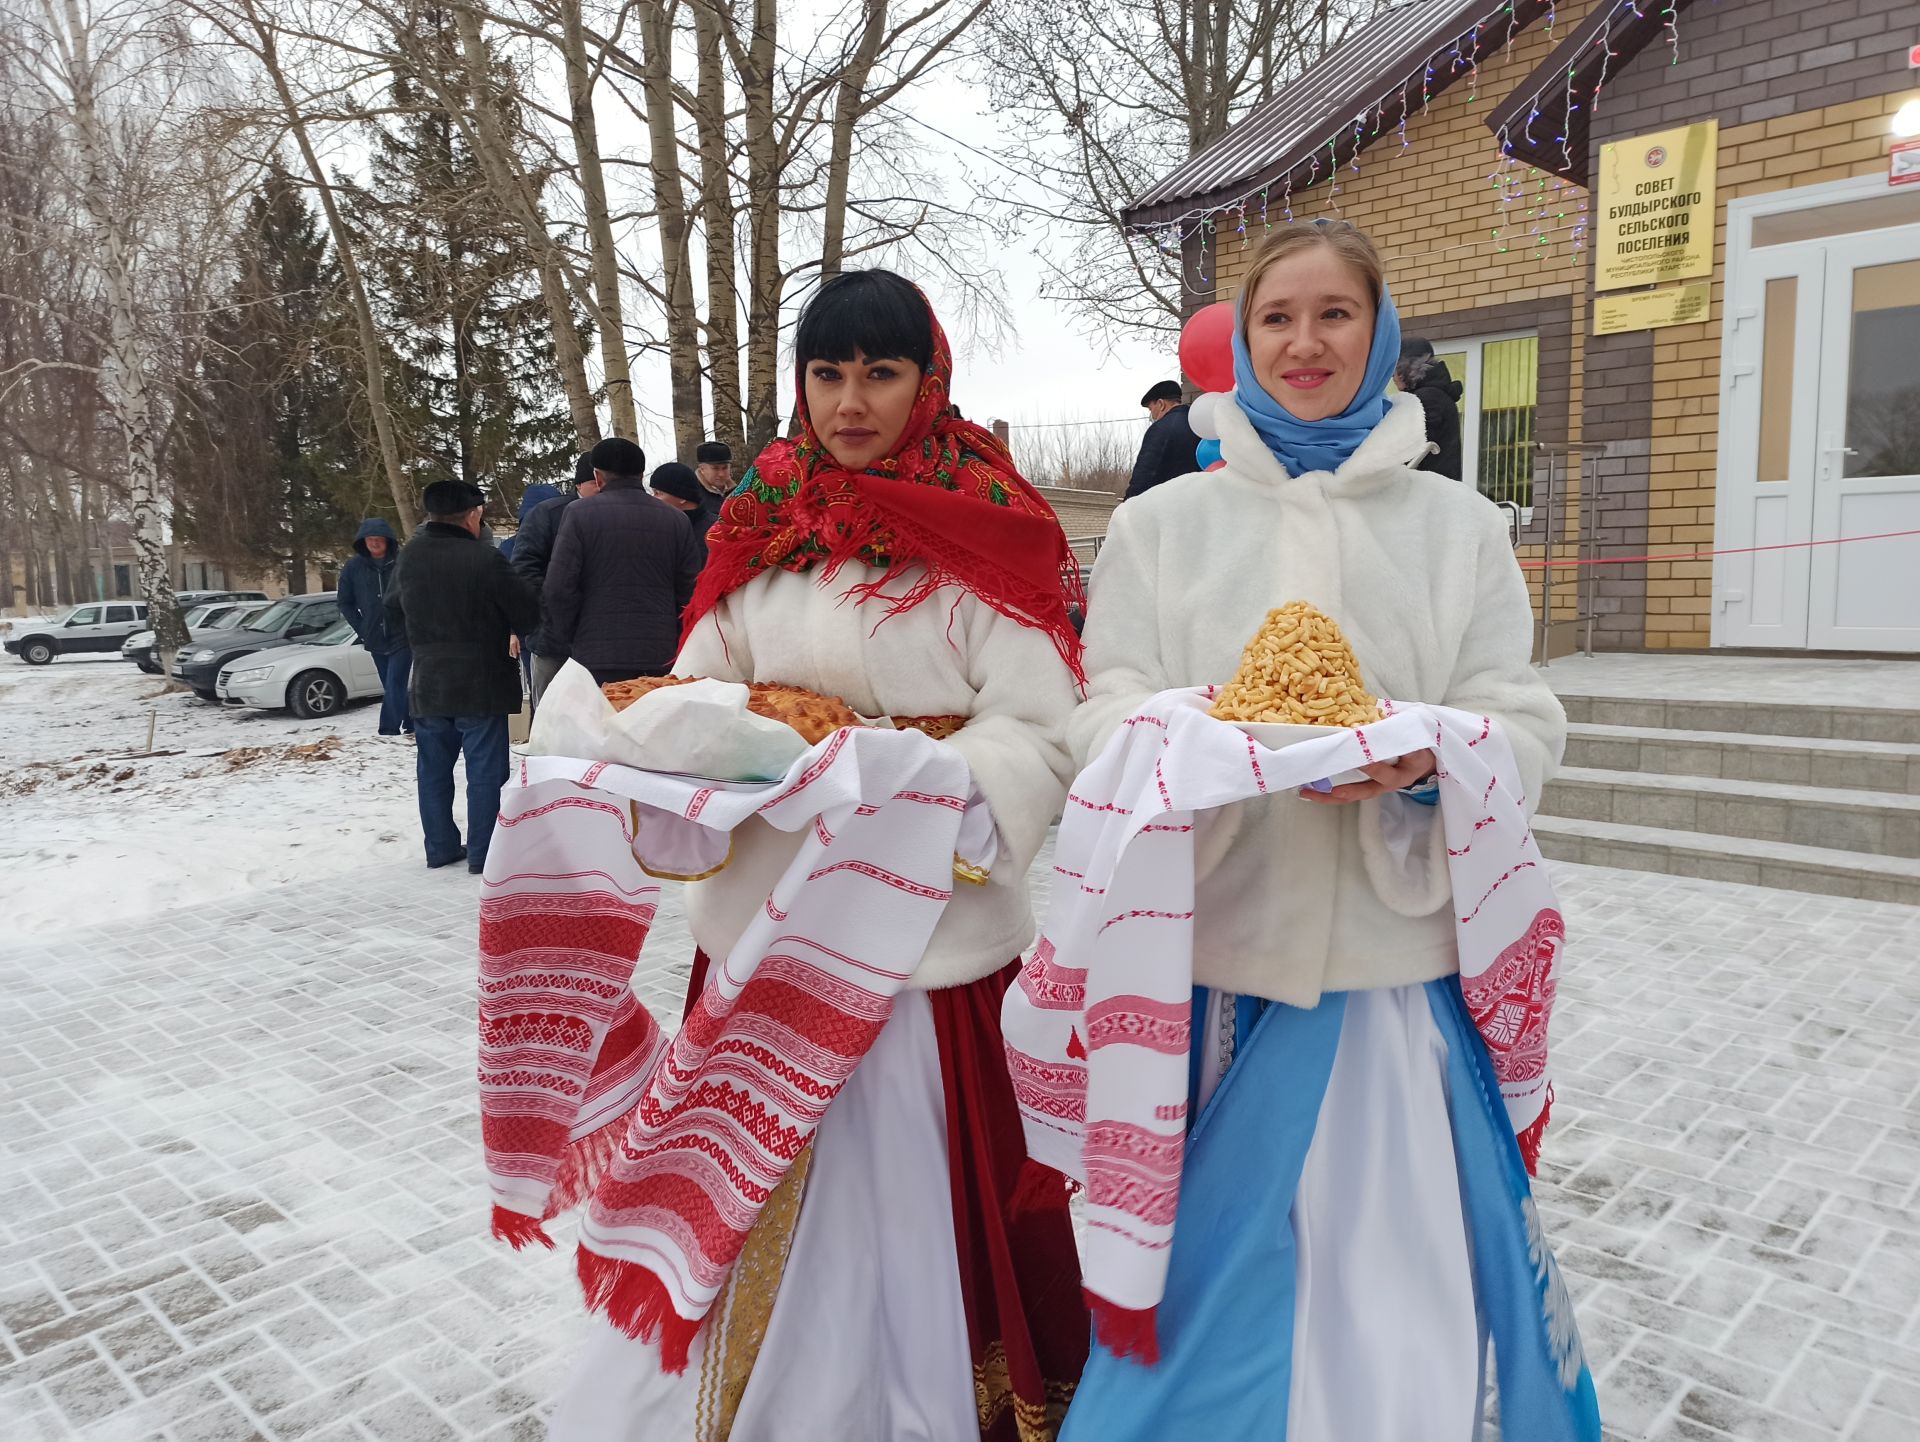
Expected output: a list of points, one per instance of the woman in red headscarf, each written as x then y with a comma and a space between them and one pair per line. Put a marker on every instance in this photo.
912, 1279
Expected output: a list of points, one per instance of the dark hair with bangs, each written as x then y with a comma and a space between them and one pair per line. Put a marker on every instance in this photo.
874, 313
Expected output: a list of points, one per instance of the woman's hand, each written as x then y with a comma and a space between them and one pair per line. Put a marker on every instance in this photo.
1383, 777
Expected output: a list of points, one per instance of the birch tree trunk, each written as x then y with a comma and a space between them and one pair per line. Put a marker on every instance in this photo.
372, 359
718, 216
676, 230
764, 280
610, 314
847, 109
124, 372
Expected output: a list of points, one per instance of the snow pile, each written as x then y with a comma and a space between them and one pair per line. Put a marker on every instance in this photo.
95, 829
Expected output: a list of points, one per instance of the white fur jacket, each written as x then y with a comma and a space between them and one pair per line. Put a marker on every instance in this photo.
1295, 898
949, 656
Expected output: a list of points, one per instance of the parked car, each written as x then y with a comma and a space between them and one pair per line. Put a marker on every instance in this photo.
97, 626
220, 616
289, 619
314, 677
186, 599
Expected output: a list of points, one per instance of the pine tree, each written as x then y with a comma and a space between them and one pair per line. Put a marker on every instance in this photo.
272, 469
458, 297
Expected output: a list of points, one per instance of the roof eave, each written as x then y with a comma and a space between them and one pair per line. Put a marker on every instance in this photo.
1544, 121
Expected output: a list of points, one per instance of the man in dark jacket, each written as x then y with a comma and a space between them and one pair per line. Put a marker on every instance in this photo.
1424, 376
680, 488
624, 566
1169, 447
713, 464
533, 553
530, 498
459, 604
362, 594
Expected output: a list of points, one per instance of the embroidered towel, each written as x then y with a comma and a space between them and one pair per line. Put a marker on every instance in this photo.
679, 1141
1097, 1028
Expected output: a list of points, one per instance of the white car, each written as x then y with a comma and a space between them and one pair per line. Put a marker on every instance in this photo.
98, 627
314, 677
140, 648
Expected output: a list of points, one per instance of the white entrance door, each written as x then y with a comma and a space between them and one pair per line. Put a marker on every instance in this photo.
1820, 423
1866, 594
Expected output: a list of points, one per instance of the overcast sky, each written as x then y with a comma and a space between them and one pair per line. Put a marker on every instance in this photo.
1049, 371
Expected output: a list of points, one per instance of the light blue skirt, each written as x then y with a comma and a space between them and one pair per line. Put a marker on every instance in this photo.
1226, 1325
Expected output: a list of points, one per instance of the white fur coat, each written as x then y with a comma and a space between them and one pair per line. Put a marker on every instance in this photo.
1295, 898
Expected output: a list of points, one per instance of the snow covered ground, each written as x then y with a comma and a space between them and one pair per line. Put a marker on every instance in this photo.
230, 801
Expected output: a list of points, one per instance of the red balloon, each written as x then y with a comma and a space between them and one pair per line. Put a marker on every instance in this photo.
1206, 347
1218, 466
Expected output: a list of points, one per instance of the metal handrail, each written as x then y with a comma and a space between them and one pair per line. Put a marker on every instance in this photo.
1584, 540
1512, 508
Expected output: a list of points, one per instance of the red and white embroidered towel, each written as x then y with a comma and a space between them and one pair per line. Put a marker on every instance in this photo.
679, 1142
1097, 1028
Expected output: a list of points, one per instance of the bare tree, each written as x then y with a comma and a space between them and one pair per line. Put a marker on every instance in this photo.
676, 225
1105, 97
721, 223
583, 71
246, 24
124, 85
1079, 455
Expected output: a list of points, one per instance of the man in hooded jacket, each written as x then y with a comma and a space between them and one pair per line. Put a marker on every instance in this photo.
362, 596
1424, 376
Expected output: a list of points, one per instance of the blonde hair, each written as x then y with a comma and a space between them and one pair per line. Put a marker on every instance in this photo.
1342, 237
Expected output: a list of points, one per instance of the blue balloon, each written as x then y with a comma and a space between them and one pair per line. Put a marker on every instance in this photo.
1208, 453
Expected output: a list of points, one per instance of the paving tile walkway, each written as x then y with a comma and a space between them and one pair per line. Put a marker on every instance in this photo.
240, 1192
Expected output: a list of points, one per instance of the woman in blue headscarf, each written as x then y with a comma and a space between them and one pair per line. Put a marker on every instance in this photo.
1354, 1219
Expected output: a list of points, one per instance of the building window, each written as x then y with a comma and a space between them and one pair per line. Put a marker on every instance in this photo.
1499, 406
123, 580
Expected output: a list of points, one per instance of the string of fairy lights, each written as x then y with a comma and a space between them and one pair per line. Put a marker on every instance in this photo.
1532, 205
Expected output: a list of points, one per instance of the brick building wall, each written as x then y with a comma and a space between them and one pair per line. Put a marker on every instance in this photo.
1804, 95
1461, 262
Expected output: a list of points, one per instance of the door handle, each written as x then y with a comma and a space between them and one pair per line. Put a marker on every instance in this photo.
1832, 466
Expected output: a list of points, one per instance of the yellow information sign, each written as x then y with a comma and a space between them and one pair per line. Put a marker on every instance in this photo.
1651, 309
1655, 204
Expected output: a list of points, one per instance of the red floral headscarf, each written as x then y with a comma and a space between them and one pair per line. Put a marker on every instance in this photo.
950, 500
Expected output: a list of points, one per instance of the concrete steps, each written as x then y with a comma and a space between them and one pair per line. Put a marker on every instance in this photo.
1798, 797
1889, 766
1878, 823
1749, 718
1729, 858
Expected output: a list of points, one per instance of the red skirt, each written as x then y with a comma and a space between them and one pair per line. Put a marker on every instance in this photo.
1019, 1270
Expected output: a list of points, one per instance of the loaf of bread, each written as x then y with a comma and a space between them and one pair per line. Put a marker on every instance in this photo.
814, 716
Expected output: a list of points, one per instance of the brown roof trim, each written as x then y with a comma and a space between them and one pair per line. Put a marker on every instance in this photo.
1361, 91
1535, 124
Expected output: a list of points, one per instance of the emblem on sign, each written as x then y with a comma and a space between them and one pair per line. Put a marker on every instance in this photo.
1656, 157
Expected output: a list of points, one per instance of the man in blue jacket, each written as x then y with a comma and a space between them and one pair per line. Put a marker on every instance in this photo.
362, 596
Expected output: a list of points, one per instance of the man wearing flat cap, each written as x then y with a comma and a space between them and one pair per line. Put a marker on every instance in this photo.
713, 464
459, 604
680, 488
623, 570
1169, 447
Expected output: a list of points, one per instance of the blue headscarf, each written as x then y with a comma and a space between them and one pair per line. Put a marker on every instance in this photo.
1303, 446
